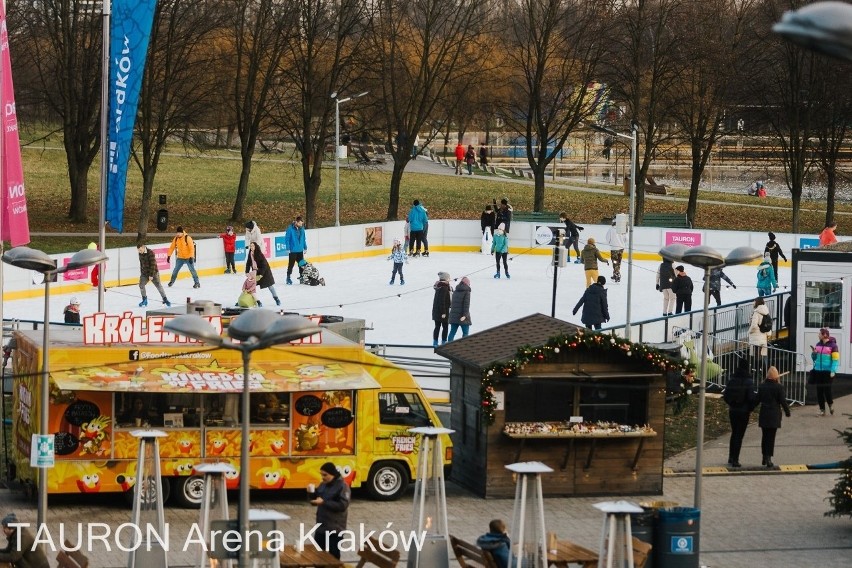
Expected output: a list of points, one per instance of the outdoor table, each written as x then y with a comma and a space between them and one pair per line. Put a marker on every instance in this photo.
308, 558
568, 552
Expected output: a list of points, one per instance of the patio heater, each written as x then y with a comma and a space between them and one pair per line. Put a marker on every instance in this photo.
262, 545
148, 516
429, 514
214, 506
616, 549
528, 534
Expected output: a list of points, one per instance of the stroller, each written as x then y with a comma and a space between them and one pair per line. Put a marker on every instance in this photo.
310, 274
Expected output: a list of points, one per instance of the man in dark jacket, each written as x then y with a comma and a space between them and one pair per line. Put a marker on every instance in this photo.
441, 308
682, 288
665, 279
488, 219
774, 252
504, 214
20, 550
741, 399
594, 303
149, 272
572, 236
331, 499
716, 276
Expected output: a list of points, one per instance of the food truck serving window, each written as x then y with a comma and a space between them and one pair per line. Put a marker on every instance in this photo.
402, 408
822, 304
179, 410
542, 400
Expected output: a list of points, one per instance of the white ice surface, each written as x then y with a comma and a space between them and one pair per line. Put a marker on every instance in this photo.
358, 288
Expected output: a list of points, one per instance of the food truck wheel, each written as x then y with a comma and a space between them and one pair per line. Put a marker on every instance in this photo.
387, 481
150, 494
189, 491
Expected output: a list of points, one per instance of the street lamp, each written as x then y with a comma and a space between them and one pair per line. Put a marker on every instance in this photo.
337, 103
825, 27
39, 261
253, 330
634, 136
706, 258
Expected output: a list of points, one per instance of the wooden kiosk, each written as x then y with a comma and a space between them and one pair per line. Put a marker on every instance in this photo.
591, 406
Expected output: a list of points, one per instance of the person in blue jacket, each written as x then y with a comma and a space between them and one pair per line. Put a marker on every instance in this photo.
294, 238
417, 220
766, 282
496, 542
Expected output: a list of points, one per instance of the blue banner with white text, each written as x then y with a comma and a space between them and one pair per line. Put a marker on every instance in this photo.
130, 30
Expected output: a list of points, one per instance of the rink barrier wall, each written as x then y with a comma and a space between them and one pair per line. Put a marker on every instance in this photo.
351, 241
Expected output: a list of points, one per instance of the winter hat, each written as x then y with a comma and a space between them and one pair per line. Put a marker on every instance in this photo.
679, 268
771, 236
330, 469
465, 280
397, 242
249, 225
75, 301
10, 519
765, 255
502, 226
591, 240
303, 262
445, 276
601, 280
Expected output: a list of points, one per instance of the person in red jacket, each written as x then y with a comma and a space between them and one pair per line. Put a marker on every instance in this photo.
827, 236
229, 240
460, 152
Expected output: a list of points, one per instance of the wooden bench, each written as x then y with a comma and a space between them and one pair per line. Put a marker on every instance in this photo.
535, 216
668, 220
651, 186
377, 557
71, 559
469, 555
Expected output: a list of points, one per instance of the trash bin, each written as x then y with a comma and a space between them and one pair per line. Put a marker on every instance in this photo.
645, 525
676, 541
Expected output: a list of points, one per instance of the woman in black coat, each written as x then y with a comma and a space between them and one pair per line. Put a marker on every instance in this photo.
258, 262
772, 400
594, 303
441, 308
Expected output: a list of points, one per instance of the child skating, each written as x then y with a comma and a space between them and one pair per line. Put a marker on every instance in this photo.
310, 274
248, 297
398, 257
229, 240
500, 249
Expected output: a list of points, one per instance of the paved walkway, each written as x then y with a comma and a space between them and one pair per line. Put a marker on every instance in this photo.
751, 519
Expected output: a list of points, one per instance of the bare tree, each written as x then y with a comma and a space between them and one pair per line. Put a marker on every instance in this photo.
176, 86
783, 88
641, 73
553, 48
420, 48
710, 54
61, 40
833, 93
322, 56
259, 28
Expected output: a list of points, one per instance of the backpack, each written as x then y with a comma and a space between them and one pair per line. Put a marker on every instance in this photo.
765, 324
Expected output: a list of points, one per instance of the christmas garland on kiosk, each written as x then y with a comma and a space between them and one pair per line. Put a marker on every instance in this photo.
648, 357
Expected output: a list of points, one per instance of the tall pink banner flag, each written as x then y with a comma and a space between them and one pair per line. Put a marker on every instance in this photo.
13, 200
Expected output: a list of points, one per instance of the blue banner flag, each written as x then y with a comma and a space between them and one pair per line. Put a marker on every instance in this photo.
130, 30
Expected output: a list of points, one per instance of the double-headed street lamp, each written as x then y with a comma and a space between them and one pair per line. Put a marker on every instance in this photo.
39, 261
337, 103
706, 258
252, 330
633, 137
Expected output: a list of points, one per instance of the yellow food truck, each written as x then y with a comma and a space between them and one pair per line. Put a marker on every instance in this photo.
320, 399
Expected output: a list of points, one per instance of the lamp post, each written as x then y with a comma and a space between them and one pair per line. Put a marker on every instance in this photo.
33, 259
252, 330
633, 137
337, 103
824, 27
706, 258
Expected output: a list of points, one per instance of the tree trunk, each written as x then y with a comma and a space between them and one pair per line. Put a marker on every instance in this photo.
242, 188
312, 179
539, 173
831, 182
78, 175
393, 198
145, 205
